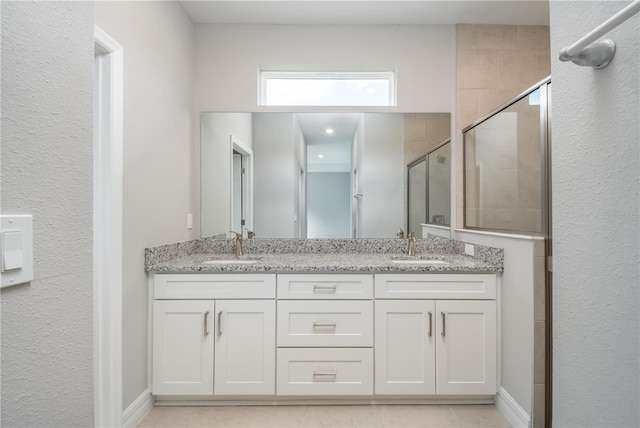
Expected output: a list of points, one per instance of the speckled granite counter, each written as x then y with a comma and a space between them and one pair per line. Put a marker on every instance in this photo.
321, 256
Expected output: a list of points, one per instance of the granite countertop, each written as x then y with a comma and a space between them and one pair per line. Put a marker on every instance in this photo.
321, 256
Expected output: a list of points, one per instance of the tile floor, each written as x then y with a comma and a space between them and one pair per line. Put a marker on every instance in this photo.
397, 416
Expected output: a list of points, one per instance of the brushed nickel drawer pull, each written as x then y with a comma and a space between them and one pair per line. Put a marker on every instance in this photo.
206, 323
220, 323
324, 324
328, 376
430, 324
444, 332
324, 288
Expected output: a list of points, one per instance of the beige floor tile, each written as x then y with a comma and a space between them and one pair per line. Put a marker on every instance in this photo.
335, 416
396, 416
480, 416
418, 416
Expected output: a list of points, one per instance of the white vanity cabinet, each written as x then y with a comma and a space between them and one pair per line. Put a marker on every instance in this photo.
436, 334
365, 336
214, 334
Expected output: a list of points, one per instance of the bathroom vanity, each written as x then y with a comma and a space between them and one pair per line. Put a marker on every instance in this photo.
291, 326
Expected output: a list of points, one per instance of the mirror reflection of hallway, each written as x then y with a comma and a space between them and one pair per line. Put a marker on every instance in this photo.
329, 190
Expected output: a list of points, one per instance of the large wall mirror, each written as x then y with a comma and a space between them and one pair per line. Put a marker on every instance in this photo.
321, 175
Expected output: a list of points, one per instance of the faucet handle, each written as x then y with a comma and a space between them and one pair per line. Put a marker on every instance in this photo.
250, 234
238, 235
411, 235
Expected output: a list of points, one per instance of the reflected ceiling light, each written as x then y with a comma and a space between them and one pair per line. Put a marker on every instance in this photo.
329, 131
320, 156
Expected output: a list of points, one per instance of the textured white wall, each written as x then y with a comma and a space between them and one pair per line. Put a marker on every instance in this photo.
158, 42
47, 162
596, 225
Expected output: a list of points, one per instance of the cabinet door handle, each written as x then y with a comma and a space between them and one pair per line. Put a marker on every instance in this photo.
430, 324
324, 288
206, 323
444, 331
220, 323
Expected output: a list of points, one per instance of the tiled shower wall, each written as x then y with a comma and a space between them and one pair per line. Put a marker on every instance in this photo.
494, 64
423, 132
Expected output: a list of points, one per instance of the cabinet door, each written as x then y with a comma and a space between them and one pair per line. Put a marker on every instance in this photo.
405, 347
245, 347
183, 347
466, 347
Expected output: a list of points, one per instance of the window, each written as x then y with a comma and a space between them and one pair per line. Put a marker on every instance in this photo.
333, 88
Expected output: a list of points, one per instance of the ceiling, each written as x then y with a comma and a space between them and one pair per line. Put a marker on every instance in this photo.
367, 12
314, 126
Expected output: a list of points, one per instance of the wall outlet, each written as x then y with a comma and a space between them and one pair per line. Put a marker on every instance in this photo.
189, 221
469, 250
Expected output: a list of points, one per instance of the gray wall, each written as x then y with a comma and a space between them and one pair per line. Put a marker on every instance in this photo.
47, 161
274, 182
381, 176
596, 225
158, 43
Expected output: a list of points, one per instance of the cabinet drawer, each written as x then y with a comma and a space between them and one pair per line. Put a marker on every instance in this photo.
325, 371
325, 287
325, 323
435, 286
214, 286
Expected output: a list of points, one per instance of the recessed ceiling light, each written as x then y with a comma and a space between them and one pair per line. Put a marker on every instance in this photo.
320, 156
329, 131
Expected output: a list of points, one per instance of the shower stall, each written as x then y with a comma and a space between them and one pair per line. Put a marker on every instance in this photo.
506, 166
429, 189
507, 176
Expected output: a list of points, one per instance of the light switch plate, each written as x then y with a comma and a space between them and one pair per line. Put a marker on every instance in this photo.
16, 250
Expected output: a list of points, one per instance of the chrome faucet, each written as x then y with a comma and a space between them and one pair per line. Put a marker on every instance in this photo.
411, 250
238, 242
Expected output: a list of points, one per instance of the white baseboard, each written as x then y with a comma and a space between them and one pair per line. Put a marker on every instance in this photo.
511, 410
137, 410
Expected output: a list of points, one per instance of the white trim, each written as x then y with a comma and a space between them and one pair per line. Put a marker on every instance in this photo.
501, 234
511, 410
247, 182
135, 413
107, 247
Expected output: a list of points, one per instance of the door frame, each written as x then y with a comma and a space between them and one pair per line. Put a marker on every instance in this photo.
247, 184
107, 234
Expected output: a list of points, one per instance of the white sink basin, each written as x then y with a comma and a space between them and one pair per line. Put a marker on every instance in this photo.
420, 262
231, 262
